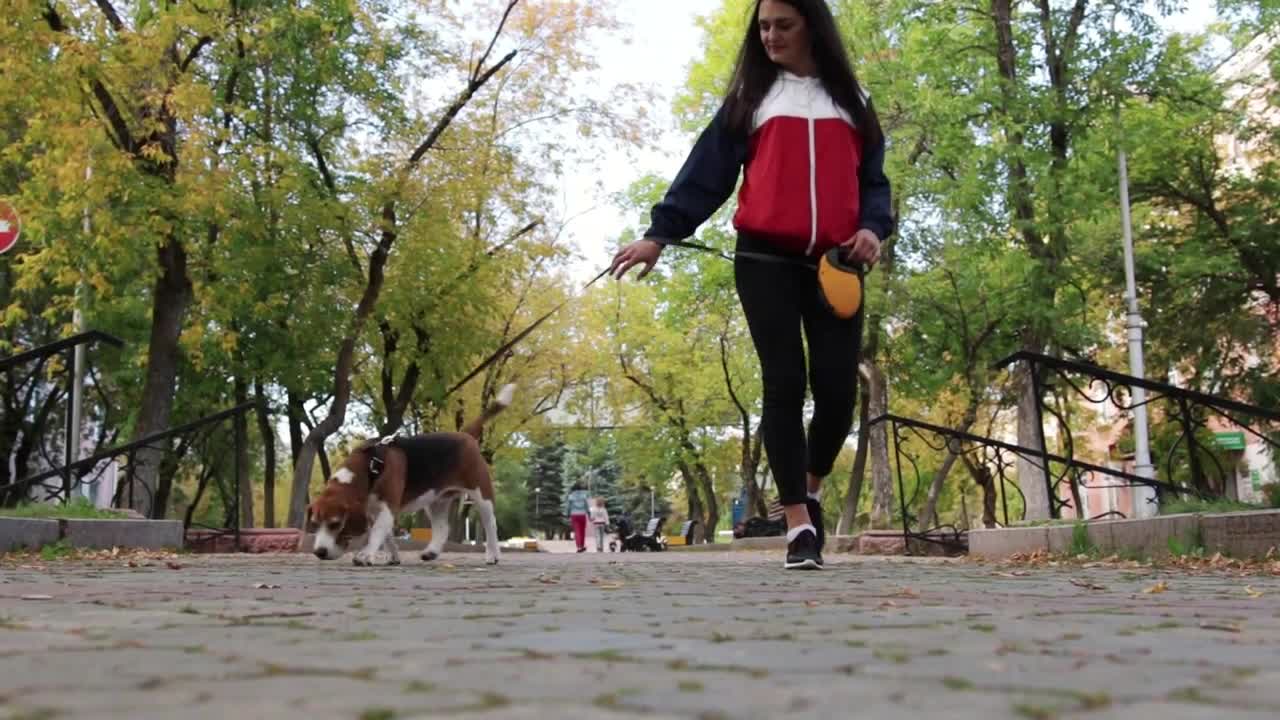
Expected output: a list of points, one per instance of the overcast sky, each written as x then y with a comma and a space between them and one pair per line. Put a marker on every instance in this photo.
656, 47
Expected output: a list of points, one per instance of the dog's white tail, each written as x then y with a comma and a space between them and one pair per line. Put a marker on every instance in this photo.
500, 403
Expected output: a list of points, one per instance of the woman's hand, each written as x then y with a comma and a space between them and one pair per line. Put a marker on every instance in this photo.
641, 251
864, 247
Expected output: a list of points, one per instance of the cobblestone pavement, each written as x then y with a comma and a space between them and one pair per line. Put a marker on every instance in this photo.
672, 635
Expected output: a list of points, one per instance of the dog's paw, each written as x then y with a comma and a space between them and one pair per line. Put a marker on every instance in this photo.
429, 555
368, 559
394, 561
490, 559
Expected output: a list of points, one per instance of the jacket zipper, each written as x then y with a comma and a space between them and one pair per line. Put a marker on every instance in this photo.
813, 180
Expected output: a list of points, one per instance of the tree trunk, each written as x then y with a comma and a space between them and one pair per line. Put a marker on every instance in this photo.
299, 484
756, 505
881, 475
983, 478
1031, 476
853, 497
928, 519
241, 429
314, 444
692, 492
396, 403
170, 299
1047, 244
710, 508
268, 456
295, 412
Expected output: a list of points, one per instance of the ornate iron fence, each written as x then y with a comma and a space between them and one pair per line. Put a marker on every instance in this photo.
992, 462
41, 355
1182, 470
175, 444
199, 438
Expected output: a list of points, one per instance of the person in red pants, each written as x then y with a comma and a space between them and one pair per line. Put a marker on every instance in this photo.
576, 507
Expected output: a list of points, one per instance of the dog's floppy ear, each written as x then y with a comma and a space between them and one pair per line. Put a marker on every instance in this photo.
356, 521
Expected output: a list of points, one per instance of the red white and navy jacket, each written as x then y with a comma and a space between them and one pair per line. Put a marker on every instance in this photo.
810, 181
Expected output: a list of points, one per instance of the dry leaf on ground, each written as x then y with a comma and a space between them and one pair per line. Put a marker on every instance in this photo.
1157, 588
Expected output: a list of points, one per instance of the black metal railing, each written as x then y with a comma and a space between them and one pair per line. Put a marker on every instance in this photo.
1186, 412
39, 356
993, 463
197, 434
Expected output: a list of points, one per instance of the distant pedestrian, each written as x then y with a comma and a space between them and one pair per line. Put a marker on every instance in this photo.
599, 521
576, 507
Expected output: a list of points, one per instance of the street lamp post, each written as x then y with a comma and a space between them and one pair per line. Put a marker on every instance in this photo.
1144, 496
537, 506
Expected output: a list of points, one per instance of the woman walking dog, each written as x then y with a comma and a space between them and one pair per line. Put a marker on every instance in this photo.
797, 123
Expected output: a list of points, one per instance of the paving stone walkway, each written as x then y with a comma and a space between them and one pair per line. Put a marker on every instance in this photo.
674, 635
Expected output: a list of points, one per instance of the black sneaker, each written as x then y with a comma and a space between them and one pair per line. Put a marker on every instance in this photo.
802, 553
815, 517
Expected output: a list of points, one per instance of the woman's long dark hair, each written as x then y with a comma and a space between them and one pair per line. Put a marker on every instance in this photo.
754, 73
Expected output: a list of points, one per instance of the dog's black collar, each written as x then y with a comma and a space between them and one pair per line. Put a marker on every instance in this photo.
379, 457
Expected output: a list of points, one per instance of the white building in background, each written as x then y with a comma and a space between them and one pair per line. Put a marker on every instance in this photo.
1249, 87
1247, 75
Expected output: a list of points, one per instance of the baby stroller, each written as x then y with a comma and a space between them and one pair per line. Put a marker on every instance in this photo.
629, 540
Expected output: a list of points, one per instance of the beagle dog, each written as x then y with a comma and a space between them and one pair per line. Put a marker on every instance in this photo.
382, 478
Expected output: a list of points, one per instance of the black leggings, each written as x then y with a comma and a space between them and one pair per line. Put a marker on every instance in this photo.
778, 300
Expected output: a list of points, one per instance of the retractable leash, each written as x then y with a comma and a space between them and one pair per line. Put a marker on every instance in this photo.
839, 288
839, 281
522, 335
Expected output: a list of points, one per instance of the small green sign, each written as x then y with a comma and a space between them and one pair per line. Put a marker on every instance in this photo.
1230, 440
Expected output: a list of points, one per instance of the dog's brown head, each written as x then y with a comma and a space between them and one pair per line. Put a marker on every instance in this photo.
339, 513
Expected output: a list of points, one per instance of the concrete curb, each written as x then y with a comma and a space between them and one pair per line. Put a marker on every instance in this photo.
30, 533
1240, 534
106, 534
95, 534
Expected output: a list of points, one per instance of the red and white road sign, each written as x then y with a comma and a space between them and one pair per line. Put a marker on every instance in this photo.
10, 226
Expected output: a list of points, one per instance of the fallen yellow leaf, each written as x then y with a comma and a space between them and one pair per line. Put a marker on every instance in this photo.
1157, 588
1252, 593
